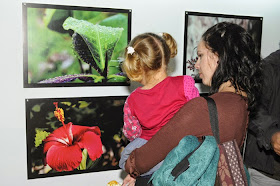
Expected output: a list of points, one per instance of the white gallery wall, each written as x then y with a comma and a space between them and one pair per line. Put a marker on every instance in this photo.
147, 16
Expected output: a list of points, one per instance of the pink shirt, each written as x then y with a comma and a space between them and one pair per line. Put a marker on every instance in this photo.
146, 111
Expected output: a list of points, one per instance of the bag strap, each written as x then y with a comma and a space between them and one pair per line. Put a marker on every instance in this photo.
184, 164
244, 145
213, 115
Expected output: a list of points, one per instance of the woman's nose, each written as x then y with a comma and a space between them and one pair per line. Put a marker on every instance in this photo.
196, 65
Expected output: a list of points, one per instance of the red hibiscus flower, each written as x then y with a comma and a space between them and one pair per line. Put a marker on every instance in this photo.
63, 147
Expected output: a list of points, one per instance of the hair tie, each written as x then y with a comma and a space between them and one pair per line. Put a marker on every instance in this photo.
130, 50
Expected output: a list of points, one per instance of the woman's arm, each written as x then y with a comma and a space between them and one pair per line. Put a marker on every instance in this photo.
191, 119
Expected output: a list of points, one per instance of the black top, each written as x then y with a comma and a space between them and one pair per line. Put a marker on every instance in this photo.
259, 153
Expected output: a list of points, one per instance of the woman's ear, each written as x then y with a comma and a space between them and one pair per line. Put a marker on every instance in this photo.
214, 60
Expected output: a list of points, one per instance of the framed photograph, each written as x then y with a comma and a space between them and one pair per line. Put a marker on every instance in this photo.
74, 46
73, 135
196, 23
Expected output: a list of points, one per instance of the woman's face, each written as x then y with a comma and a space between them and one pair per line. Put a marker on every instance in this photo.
206, 64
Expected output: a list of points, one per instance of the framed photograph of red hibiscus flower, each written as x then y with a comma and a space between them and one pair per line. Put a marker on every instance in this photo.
74, 45
73, 135
196, 23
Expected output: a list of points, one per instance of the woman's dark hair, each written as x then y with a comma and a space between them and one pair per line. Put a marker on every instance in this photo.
239, 60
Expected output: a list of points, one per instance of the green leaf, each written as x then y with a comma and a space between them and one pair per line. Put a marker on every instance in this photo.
54, 19
40, 136
91, 164
100, 40
83, 104
83, 164
36, 108
83, 53
116, 78
91, 16
48, 16
66, 103
118, 20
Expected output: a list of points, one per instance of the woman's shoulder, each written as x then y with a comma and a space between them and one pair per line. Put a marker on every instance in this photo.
222, 99
228, 98
196, 105
230, 103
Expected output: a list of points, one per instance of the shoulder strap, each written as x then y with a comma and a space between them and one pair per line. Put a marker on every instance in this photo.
213, 115
184, 164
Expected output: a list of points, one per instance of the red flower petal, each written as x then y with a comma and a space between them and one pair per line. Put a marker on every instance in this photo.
92, 142
63, 133
78, 131
64, 158
51, 143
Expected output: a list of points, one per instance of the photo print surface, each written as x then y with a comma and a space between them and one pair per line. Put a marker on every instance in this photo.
73, 135
74, 46
196, 23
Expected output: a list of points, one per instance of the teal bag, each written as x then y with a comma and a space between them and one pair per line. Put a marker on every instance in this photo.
189, 163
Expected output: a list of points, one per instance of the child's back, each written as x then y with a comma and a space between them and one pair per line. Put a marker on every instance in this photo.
150, 107
156, 106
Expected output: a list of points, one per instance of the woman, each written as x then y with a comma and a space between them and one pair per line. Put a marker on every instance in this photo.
227, 62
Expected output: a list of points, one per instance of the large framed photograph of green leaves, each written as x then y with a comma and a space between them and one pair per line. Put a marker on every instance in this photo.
74, 46
196, 23
73, 135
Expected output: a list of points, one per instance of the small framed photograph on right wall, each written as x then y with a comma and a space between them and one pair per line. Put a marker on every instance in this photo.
196, 23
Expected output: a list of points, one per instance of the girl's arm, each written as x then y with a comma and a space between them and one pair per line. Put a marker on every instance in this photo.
189, 87
132, 128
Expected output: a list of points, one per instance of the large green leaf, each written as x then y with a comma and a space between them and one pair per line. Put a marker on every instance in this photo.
118, 20
54, 19
100, 40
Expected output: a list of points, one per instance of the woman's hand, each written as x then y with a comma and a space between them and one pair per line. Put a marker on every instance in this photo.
129, 181
275, 142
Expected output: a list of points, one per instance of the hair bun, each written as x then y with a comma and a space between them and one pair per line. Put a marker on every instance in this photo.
171, 43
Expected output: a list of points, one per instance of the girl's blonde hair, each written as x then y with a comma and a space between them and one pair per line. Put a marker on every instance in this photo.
151, 51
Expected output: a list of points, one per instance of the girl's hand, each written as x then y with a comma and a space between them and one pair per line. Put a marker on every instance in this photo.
129, 181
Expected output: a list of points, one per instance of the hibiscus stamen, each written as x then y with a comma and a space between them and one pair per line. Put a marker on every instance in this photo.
59, 114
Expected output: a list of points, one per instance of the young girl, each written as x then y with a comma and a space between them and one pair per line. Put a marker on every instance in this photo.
151, 106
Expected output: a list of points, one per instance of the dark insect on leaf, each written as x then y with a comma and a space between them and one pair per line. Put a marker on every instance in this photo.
81, 46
